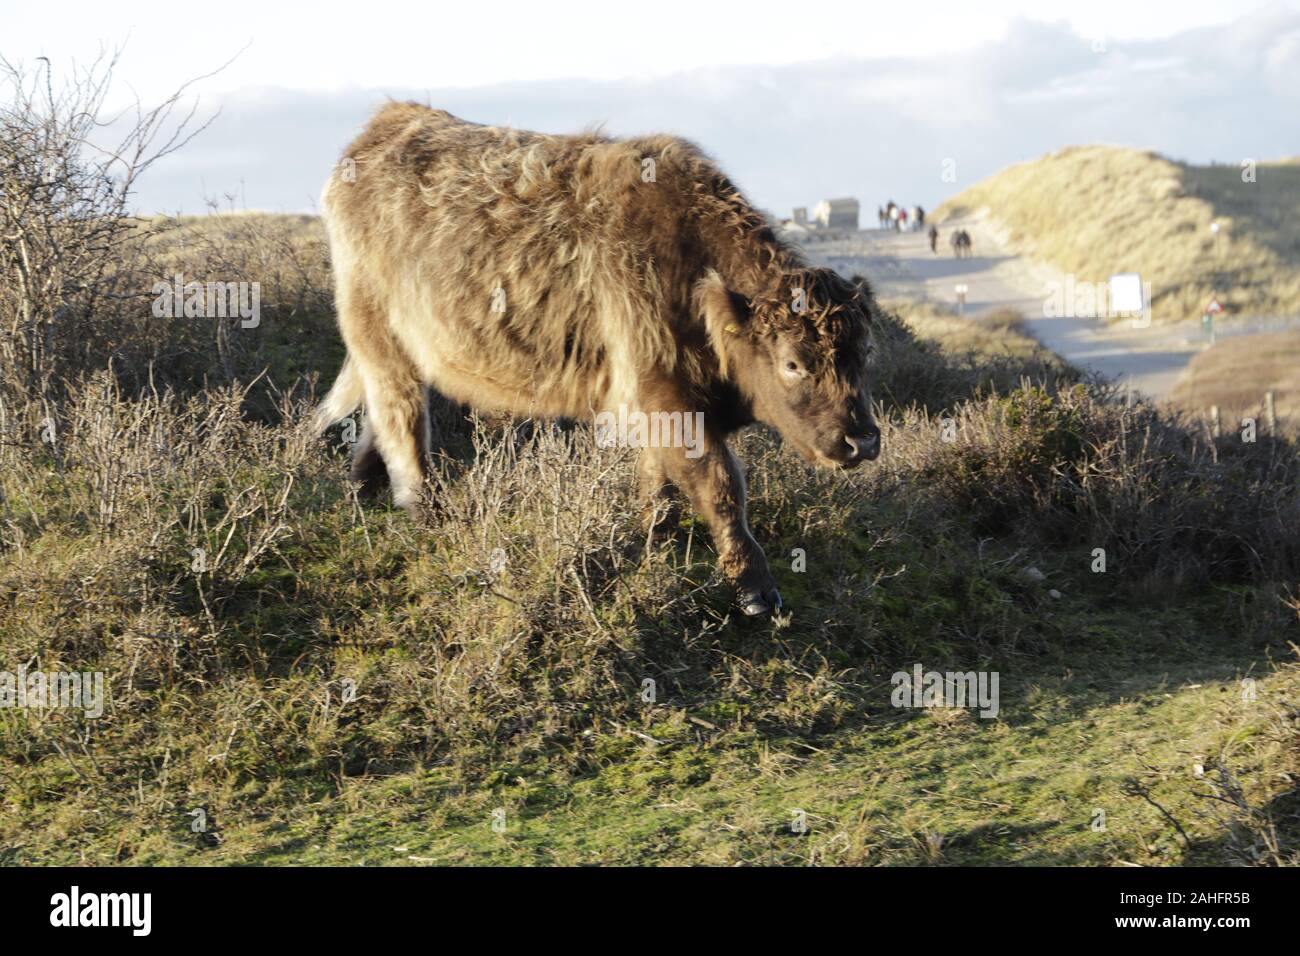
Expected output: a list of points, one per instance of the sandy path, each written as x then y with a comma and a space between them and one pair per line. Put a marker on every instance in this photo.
901, 265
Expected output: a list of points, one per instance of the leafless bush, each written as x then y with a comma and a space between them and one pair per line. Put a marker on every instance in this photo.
1080, 468
67, 265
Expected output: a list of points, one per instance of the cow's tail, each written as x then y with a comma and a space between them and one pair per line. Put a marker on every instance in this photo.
342, 399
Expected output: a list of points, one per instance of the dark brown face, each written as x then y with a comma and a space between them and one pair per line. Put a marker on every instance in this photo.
806, 371
824, 412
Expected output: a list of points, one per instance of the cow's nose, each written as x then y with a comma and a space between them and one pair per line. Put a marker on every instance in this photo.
867, 447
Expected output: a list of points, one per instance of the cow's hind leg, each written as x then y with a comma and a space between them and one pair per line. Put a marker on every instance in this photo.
397, 418
368, 467
395, 438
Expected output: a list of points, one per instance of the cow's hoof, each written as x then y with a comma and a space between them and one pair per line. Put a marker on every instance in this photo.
756, 603
422, 511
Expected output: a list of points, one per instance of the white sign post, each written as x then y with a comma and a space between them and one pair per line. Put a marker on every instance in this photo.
1127, 298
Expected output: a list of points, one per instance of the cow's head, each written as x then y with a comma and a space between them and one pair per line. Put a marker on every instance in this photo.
799, 354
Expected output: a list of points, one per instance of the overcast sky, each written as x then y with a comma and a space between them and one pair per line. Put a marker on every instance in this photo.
796, 100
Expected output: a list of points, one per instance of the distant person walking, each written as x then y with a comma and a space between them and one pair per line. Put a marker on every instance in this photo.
893, 216
934, 239
961, 245
902, 220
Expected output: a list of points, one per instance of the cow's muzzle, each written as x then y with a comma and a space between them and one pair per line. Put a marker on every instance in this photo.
864, 447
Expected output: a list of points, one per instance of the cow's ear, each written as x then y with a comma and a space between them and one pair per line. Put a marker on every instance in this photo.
724, 315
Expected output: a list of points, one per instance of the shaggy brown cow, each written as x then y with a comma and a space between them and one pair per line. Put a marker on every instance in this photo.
578, 275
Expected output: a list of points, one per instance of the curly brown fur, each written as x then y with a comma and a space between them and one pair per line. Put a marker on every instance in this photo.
553, 276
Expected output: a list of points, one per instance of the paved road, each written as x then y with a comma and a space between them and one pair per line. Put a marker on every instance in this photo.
901, 265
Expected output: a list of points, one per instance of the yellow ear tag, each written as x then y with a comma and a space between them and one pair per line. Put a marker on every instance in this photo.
733, 328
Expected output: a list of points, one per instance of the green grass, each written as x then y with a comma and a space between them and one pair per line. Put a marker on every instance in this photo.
900, 788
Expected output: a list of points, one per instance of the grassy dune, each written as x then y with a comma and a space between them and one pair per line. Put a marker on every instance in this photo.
1097, 210
1235, 373
335, 683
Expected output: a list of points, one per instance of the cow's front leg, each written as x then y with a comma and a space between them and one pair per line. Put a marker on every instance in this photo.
658, 498
711, 477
